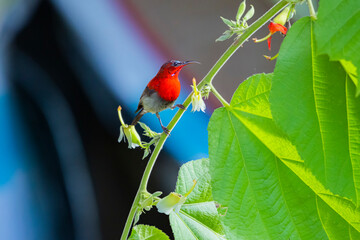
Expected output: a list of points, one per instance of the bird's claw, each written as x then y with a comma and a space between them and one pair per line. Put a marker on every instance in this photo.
179, 106
166, 131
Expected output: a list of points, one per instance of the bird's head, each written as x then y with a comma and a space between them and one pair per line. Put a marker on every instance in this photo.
173, 67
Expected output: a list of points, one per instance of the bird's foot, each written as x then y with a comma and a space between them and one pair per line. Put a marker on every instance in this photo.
179, 106
166, 131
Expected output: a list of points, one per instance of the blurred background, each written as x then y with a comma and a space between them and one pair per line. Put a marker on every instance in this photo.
65, 66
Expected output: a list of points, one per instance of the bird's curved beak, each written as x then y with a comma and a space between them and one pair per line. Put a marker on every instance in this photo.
189, 62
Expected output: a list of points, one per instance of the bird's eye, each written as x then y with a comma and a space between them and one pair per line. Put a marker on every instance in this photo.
175, 64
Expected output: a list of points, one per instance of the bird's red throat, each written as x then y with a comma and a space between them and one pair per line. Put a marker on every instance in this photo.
168, 87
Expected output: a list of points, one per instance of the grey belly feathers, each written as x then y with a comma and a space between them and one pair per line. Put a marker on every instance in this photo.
154, 103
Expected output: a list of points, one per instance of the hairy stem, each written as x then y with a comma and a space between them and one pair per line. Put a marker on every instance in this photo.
130, 217
218, 96
311, 10
206, 80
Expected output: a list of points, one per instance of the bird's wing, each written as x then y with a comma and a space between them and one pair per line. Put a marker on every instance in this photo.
146, 92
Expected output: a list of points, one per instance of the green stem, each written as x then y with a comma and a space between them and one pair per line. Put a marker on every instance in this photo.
262, 39
130, 217
218, 96
206, 80
143, 185
311, 10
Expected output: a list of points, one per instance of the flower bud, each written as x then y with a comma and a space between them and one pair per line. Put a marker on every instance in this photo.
129, 133
282, 17
241, 10
249, 13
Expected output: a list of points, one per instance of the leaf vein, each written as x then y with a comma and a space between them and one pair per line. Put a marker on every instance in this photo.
238, 141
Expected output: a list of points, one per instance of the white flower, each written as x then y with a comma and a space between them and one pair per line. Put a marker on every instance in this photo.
197, 101
129, 133
173, 201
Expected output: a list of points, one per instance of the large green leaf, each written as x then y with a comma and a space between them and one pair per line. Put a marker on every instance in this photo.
315, 108
337, 32
145, 232
335, 226
198, 217
353, 118
351, 71
257, 172
265, 199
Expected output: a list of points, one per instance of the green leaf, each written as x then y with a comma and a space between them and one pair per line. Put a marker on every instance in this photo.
145, 232
337, 31
335, 226
354, 234
353, 117
319, 117
198, 217
316, 107
226, 35
240, 11
265, 199
249, 14
350, 69
228, 22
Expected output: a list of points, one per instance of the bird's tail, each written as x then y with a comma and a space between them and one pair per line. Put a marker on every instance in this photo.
138, 116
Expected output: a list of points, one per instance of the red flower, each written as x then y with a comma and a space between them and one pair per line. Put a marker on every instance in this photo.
277, 25
273, 28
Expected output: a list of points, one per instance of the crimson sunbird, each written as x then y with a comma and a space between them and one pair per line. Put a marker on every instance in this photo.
162, 91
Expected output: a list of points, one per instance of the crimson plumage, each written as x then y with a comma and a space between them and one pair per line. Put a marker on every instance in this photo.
162, 91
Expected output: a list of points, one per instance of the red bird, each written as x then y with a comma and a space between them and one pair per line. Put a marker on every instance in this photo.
162, 91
